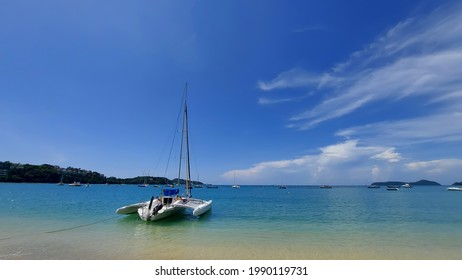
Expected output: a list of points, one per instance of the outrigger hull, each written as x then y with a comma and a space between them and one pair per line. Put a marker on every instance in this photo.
203, 208
198, 206
132, 208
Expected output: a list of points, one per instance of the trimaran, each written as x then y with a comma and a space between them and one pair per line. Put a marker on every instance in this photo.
170, 202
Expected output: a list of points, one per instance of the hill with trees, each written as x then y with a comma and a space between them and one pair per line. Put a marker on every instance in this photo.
46, 173
417, 183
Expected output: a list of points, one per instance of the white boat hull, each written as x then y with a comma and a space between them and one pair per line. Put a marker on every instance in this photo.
132, 208
150, 214
203, 208
198, 207
454, 189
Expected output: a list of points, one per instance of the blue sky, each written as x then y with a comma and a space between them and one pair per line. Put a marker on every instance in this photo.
294, 92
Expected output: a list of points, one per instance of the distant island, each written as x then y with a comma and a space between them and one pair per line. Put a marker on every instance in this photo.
46, 173
417, 183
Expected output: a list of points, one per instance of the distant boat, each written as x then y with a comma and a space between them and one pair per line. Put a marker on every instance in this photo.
212, 187
392, 188
144, 183
198, 185
326, 187
407, 185
75, 184
454, 189
234, 185
61, 182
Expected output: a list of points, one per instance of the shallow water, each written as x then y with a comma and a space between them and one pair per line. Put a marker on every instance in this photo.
46, 221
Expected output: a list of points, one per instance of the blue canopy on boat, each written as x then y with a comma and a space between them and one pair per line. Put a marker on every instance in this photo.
170, 192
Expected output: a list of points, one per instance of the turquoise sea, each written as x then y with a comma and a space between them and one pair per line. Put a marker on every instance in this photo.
50, 222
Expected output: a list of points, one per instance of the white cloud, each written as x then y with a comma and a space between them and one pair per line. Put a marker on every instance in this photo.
345, 151
269, 101
389, 155
375, 172
349, 163
443, 127
435, 167
291, 79
264, 101
339, 163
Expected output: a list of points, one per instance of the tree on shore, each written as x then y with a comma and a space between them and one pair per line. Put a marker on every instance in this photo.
46, 173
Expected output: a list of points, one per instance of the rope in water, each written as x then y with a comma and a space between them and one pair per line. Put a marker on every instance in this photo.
63, 229
80, 226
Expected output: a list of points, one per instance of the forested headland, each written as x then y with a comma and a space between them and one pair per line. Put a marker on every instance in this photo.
47, 173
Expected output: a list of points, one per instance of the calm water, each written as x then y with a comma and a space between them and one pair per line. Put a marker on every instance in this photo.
46, 221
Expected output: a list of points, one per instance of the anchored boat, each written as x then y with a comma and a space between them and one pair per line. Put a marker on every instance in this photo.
170, 202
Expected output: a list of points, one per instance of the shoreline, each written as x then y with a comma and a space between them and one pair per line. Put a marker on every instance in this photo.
146, 242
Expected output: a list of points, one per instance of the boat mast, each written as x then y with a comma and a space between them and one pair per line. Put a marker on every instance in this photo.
188, 169
181, 151
186, 139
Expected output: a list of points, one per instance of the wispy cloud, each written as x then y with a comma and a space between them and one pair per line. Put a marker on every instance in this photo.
435, 167
416, 65
291, 79
434, 76
416, 58
269, 101
309, 29
442, 127
389, 155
